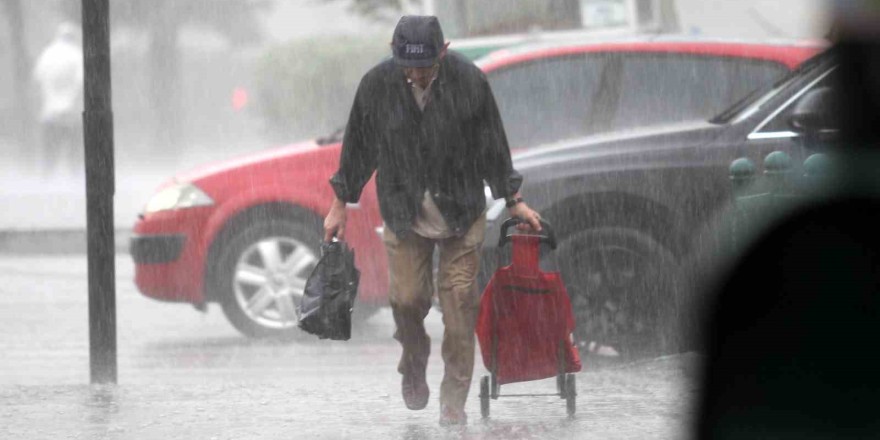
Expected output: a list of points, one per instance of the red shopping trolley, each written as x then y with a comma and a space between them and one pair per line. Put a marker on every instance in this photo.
526, 322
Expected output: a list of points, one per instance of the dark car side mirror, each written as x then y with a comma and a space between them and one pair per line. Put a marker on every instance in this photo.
814, 117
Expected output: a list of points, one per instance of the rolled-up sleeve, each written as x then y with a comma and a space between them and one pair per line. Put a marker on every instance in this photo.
496, 164
358, 158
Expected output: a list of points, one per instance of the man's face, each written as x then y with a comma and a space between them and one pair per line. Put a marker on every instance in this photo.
421, 76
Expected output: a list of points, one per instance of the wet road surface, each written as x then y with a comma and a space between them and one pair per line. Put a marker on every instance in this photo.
188, 375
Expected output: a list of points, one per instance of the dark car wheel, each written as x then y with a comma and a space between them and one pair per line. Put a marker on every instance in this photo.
262, 272
622, 285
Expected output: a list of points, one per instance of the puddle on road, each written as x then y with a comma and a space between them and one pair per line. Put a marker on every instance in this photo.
646, 400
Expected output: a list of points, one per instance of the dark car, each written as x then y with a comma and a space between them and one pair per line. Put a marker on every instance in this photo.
628, 207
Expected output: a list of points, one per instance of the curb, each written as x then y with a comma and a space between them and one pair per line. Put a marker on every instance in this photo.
54, 241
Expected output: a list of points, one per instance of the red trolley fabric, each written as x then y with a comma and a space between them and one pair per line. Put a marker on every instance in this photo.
526, 319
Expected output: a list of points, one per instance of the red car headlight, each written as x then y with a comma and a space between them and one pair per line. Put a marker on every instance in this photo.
177, 196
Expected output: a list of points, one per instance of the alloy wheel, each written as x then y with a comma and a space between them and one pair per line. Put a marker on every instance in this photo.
269, 280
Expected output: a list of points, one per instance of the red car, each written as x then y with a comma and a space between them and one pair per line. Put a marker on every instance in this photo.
246, 232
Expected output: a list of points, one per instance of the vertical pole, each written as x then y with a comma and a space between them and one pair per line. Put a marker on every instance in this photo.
98, 137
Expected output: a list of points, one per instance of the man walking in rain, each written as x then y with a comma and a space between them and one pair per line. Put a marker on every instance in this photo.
427, 123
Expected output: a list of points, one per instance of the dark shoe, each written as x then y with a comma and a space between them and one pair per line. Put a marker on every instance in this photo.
415, 391
452, 417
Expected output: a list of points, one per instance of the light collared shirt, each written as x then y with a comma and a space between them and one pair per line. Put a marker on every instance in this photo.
429, 221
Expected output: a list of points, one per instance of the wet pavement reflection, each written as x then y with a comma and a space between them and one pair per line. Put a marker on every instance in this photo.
183, 374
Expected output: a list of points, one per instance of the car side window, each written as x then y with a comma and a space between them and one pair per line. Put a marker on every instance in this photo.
779, 125
547, 100
667, 88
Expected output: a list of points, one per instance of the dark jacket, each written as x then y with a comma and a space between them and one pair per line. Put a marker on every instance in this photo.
449, 149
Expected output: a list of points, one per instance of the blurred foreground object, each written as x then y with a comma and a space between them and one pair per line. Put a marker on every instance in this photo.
329, 294
791, 332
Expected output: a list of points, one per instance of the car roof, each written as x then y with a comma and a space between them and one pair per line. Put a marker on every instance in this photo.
791, 53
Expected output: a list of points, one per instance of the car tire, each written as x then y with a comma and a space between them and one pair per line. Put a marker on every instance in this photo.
261, 275
623, 288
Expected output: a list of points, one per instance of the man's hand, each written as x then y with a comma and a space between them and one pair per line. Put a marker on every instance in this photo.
532, 218
334, 224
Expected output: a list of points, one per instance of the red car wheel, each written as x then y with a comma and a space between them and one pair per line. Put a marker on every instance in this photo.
262, 274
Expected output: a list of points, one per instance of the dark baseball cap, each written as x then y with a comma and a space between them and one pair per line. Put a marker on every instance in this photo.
417, 41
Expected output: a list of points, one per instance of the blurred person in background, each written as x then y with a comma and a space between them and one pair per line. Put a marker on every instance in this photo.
426, 121
59, 76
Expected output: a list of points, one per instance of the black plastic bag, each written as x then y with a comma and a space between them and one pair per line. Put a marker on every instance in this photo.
325, 310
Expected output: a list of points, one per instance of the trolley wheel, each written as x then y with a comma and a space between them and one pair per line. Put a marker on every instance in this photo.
484, 396
570, 394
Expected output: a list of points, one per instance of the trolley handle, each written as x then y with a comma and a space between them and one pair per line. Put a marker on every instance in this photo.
549, 238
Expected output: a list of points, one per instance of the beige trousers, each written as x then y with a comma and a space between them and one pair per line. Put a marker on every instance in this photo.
410, 262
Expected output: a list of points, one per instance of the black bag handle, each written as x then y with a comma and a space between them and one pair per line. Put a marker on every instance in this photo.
329, 243
548, 236
334, 246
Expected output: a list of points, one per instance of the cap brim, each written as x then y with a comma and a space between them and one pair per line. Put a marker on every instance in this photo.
415, 63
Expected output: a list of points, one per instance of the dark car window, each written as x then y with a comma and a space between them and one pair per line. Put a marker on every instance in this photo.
779, 123
547, 100
659, 89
